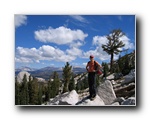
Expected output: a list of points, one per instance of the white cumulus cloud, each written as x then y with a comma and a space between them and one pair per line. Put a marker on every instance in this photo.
20, 20
45, 52
60, 35
126, 41
99, 40
98, 51
74, 51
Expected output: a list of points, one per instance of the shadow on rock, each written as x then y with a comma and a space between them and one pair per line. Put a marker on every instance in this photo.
83, 100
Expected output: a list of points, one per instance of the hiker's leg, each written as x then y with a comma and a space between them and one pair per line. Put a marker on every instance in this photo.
90, 83
93, 85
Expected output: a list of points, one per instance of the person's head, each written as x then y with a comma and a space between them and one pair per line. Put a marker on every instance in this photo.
91, 57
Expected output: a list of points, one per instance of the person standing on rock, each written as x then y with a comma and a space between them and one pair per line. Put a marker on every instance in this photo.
91, 67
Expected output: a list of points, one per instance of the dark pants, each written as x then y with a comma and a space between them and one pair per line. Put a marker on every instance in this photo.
92, 84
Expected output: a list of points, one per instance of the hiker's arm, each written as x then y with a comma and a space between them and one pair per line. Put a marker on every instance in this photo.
99, 65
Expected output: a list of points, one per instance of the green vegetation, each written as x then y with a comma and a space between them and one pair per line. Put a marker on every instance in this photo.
67, 74
72, 84
34, 92
82, 84
126, 63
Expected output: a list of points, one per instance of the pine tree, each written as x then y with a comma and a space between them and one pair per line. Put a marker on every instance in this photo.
67, 72
126, 68
113, 45
97, 80
116, 68
34, 92
17, 92
105, 69
40, 91
24, 96
47, 92
126, 63
78, 86
55, 85
85, 82
72, 84
30, 89
120, 63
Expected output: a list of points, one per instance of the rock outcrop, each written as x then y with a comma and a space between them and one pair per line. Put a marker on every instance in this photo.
106, 92
21, 75
87, 102
68, 98
109, 93
129, 101
105, 96
125, 89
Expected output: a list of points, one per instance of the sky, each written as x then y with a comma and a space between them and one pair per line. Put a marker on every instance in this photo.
53, 40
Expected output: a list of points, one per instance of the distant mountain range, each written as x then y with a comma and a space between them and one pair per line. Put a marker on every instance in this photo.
47, 71
24, 68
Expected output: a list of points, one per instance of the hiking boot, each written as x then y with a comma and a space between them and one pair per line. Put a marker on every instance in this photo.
93, 97
89, 97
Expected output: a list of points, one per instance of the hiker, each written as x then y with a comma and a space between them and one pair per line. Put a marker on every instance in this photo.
91, 67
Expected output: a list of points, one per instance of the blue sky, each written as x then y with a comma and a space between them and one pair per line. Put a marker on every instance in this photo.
53, 40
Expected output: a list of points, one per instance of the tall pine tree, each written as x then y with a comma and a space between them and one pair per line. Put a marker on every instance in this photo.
40, 91
67, 73
55, 85
24, 96
72, 84
17, 92
113, 45
33, 91
105, 69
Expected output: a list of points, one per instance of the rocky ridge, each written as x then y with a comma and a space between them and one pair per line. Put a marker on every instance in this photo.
21, 75
111, 92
